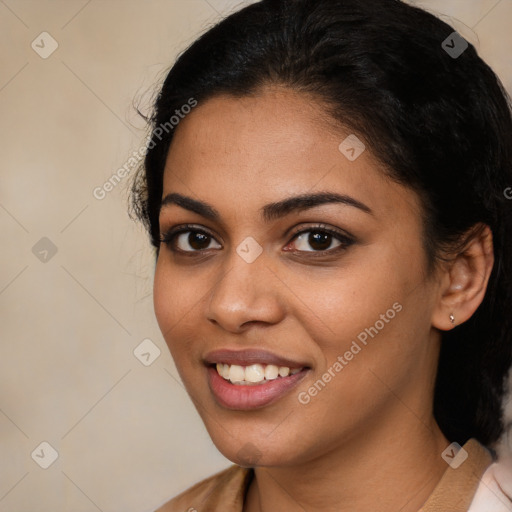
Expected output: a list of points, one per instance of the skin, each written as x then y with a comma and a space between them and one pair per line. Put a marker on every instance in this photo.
371, 430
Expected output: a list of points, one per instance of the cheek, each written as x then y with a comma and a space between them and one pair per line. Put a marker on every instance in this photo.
173, 300
368, 317
339, 307
373, 352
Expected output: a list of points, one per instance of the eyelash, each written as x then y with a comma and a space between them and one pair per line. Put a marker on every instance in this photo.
168, 238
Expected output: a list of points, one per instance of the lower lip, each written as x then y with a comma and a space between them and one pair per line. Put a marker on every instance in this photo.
246, 397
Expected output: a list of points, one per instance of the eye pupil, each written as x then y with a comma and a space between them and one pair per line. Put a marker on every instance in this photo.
319, 241
198, 241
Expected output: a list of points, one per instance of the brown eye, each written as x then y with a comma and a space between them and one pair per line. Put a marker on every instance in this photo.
319, 240
194, 241
316, 241
189, 240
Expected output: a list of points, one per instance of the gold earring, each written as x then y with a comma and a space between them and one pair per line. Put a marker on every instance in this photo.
452, 318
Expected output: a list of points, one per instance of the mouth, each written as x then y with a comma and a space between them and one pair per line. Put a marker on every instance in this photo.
251, 379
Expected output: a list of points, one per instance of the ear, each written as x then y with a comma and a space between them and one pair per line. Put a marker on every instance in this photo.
463, 280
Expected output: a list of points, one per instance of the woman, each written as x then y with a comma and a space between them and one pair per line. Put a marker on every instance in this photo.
324, 188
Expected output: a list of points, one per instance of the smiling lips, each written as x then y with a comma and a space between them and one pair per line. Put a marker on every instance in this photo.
251, 379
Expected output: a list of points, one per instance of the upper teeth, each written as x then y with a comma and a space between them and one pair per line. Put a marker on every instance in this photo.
254, 373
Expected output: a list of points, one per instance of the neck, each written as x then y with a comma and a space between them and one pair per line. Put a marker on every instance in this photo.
388, 468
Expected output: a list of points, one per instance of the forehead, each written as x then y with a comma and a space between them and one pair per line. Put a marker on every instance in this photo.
261, 148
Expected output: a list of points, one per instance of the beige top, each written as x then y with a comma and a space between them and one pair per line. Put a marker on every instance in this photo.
225, 491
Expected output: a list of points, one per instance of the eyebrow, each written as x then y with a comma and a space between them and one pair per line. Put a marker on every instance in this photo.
271, 211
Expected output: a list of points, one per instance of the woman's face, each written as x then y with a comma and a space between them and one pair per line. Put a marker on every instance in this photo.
299, 263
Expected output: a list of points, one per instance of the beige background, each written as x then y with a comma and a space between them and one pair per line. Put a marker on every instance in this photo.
126, 434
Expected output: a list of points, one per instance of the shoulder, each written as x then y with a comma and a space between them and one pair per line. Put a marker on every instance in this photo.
494, 493
227, 486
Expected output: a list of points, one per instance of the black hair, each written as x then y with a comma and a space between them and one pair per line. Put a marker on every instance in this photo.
440, 123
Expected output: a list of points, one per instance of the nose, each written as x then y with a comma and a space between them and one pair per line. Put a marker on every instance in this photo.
246, 294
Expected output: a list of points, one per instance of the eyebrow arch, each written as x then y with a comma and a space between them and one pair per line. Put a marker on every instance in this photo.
271, 211
274, 211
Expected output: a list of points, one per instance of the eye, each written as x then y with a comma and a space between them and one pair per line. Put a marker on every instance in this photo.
189, 240
320, 239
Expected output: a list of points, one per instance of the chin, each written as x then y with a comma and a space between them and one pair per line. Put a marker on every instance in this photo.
255, 450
